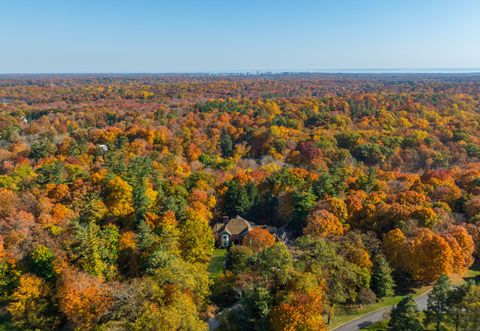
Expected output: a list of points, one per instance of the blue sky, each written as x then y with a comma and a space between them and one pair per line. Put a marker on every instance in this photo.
244, 35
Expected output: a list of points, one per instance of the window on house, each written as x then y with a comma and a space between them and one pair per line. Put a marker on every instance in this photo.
224, 240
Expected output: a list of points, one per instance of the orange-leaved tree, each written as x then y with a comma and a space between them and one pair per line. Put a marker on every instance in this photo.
427, 255
466, 245
301, 311
83, 298
258, 239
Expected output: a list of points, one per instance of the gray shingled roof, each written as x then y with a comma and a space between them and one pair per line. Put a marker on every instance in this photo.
235, 226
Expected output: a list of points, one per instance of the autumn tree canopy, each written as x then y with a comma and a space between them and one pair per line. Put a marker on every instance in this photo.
356, 187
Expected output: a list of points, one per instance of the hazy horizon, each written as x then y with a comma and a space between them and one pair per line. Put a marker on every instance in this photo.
272, 71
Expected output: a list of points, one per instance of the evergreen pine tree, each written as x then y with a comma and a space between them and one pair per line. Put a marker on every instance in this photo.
382, 282
437, 302
404, 316
455, 304
226, 144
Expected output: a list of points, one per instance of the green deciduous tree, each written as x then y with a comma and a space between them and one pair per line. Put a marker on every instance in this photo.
471, 306
276, 263
237, 258
343, 278
42, 259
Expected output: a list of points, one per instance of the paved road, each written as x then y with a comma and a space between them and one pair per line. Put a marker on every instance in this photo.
378, 315
214, 323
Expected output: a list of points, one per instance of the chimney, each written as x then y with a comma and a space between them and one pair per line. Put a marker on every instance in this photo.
225, 219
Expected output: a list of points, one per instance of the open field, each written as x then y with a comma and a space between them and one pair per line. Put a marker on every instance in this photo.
215, 267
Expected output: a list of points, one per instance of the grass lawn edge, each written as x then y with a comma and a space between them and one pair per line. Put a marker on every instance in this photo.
375, 311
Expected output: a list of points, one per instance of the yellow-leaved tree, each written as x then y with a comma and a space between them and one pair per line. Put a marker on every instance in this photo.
31, 305
119, 197
323, 223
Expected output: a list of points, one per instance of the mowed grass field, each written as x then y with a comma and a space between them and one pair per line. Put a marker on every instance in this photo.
215, 268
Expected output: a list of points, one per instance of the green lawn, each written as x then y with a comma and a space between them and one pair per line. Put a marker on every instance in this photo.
215, 267
343, 317
473, 272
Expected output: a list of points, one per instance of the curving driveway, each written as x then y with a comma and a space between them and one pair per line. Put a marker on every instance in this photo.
377, 316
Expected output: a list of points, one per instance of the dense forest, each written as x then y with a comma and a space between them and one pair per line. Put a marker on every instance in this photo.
357, 188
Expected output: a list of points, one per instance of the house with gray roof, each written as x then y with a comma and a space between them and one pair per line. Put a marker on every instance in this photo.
231, 231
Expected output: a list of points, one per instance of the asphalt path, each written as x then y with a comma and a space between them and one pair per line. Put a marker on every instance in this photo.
377, 316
